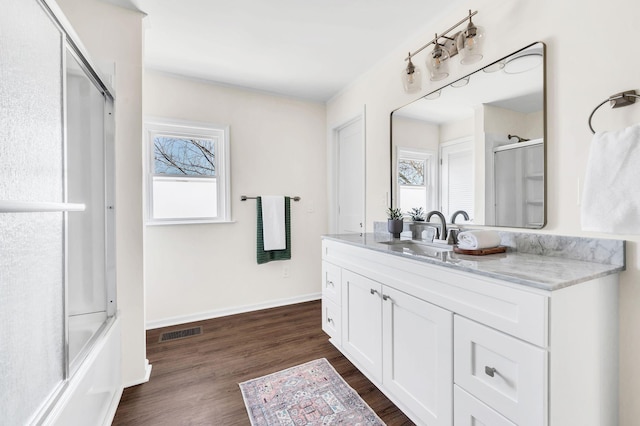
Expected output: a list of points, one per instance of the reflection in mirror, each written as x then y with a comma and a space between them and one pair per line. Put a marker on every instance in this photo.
477, 146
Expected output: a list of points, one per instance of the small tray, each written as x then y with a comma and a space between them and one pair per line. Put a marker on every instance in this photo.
481, 252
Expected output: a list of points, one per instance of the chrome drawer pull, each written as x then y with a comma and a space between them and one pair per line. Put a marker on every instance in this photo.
386, 297
373, 291
490, 371
330, 283
330, 320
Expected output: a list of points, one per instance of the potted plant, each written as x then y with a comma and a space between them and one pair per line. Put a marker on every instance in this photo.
417, 214
395, 223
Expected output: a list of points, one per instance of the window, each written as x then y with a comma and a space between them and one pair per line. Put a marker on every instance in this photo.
188, 172
416, 180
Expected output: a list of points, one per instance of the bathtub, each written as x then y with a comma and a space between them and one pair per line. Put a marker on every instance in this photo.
92, 394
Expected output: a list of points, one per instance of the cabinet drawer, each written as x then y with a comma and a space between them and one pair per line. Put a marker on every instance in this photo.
469, 411
331, 323
331, 276
507, 374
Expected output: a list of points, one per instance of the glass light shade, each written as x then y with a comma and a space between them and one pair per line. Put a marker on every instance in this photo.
433, 95
470, 42
411, 78
495, 67
461, 83
437, 63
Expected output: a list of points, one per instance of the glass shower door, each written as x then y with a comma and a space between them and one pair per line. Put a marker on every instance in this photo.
32, 205
86, 291
86, 241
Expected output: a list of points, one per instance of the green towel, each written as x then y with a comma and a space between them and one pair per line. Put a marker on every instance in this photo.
267, 256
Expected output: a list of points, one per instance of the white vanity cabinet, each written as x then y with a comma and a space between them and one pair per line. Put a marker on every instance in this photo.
331, 296
416, 355
450, 347
362, 322
402, 342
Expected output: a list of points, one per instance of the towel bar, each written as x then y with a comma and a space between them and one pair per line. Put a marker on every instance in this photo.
618, 100
245, 198
38, 207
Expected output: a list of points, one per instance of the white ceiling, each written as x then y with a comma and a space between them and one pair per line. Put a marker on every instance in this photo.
302, 48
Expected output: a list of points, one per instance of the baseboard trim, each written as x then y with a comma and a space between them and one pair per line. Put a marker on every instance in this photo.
231, 311
147, 376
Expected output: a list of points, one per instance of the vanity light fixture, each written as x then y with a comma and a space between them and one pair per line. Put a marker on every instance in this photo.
469, 41
437, 63
411, 78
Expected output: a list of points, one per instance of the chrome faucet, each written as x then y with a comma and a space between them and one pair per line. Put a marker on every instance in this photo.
443, 234
455, 214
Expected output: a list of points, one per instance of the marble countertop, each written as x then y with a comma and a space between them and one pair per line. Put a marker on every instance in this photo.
533, 270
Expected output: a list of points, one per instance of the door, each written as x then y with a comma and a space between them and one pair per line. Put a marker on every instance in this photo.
350, 177
456, 177
362, 322
418, 355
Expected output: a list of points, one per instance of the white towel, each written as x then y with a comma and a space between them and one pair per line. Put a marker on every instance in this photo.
610, 196
273, 226
476, 240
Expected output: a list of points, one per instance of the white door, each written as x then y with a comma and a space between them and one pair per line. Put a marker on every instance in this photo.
456, 177
350, 177
362, 322
417, 366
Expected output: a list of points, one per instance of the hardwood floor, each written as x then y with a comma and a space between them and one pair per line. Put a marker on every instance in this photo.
194, 380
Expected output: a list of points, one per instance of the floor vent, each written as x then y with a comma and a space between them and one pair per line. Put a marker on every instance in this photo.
180, 334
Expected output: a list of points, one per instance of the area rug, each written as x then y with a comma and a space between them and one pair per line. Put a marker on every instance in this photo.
309, 394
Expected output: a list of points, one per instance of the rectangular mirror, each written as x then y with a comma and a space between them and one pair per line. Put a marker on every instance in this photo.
477, 145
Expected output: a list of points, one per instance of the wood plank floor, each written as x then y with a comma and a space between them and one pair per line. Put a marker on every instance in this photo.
194, 380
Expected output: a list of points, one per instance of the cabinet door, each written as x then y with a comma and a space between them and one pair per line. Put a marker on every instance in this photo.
362, 322
331, 282
505, 373
331, 323
417, 355
471, 412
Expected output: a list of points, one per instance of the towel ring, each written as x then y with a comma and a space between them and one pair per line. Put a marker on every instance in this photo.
618, 100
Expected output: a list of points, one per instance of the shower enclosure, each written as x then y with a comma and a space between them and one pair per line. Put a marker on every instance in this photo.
57, 269
519, 184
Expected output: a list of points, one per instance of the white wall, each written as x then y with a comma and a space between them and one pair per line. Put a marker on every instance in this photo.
576, 82
278, 146
413, 133
457, 130
114, 35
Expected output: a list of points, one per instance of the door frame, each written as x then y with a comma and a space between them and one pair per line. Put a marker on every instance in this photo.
334, 170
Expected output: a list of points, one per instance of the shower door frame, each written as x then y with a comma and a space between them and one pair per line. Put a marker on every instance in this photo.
71, 43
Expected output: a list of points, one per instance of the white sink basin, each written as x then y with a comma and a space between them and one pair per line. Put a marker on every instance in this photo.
414, 243
415, 248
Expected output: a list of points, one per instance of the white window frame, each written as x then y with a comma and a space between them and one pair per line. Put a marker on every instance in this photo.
431, 177
188, 129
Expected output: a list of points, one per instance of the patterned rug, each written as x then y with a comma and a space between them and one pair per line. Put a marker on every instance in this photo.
309, 394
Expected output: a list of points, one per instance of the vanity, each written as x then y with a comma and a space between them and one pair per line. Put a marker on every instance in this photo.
528, 337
